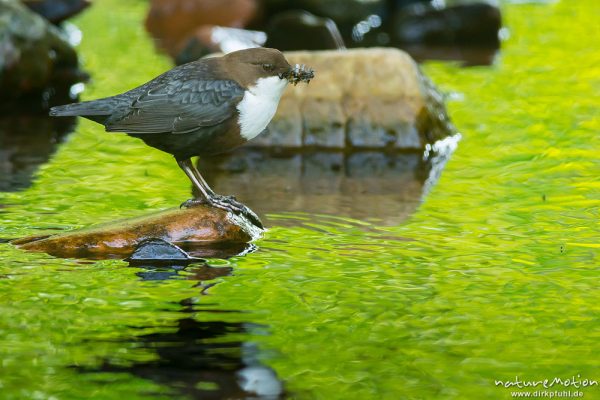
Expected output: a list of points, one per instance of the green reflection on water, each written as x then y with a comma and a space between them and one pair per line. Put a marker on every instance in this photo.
494, 276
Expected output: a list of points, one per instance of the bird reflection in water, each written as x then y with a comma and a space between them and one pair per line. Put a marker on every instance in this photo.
194, 364
195, 360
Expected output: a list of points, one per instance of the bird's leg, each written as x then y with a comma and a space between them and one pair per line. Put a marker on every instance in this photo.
202, 181
206, 192
208, 196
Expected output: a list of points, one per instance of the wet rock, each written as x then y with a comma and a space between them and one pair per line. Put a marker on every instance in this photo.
218, 39
201, 225
361, 98
57, 11
474, 24
174, 22
300, 30
35, 59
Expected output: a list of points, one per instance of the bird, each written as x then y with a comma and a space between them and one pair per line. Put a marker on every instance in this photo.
205, 107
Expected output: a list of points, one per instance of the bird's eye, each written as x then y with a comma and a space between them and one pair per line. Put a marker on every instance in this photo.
268, 67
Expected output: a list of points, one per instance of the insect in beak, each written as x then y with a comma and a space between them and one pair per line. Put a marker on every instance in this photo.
298, 73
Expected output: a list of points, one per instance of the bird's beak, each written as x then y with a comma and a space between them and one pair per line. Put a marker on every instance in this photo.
298, 73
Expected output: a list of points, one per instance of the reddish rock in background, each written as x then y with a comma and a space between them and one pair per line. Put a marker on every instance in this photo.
174, 22
209, 39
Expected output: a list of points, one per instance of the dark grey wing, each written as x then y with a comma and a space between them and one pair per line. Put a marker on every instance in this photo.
178, 106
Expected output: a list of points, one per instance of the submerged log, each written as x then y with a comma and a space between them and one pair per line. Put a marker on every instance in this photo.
201, 226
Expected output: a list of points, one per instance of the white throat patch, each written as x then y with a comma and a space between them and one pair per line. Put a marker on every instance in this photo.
259, 104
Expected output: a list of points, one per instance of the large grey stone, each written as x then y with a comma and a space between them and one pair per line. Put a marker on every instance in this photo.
361, 98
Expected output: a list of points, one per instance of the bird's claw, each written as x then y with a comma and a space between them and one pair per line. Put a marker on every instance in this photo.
189, 203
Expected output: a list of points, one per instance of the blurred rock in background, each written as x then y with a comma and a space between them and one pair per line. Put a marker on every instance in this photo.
466, 30
210, 39
38, 66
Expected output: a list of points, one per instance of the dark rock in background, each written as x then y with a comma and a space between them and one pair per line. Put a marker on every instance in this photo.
300, 30
345, 13
26, 142
37, 64
174, 22
56, 11
474, 24
464, 30
413, 25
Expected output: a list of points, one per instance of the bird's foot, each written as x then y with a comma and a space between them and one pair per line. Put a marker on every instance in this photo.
227, 203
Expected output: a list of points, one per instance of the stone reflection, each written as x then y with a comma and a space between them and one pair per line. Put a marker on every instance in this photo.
361, 185
26, 142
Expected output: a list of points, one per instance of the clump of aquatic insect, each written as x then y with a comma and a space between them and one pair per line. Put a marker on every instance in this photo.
300, 73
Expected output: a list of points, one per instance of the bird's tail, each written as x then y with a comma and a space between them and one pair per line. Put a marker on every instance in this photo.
84, 109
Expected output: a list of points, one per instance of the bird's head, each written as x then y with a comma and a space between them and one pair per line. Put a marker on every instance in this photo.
249, 65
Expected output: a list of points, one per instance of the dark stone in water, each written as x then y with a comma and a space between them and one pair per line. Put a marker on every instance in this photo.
474, 24
36, 62
159, 250
301, 30
57, 11
163, 260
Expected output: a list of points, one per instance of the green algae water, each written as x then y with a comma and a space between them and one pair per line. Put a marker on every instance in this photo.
494, 276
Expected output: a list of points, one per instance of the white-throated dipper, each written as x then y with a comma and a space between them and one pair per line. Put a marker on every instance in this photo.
205, 107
